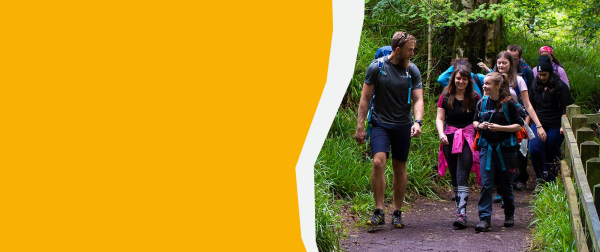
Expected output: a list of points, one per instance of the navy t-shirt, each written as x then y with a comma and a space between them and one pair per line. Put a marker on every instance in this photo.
391, 91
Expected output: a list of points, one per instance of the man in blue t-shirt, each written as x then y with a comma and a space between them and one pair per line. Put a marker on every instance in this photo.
391, 82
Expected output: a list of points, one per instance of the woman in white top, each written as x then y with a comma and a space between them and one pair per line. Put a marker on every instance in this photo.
518, 87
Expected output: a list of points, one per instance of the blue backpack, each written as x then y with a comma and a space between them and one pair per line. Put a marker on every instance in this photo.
379, 57
512, 141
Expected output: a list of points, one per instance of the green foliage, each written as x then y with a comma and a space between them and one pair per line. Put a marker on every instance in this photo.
553, 231
581, 63
326, 220
563, 20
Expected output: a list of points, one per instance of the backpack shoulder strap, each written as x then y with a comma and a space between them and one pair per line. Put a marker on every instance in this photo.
478, 82
506, 112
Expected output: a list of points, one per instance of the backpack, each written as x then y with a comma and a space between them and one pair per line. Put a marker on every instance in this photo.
525, 74
511, 142
383, 51
379, 57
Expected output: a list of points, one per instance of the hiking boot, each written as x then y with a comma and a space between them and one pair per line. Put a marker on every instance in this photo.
397, 219
483, 226
461, 221
521, 186
498, 198
509, 221
378, 218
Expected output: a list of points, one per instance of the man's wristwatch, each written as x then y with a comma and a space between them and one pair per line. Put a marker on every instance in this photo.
419, 122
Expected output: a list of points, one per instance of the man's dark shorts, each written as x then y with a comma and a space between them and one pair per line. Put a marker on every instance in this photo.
398, 136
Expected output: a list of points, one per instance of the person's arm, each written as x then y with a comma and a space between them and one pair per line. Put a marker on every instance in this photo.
563, 76
444, 78
439, 125
506, 128
477, 117
485, 67
363, 108
514, 117
417, 96
529, 108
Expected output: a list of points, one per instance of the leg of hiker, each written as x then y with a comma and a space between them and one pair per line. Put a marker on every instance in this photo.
399, 187
552, 152
378, 178
538, 158
452, 160
465, 161
523, 174
506, 185
380, 147
400, 143
487, 189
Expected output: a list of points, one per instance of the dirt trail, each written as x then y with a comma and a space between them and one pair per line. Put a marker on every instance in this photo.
429, 228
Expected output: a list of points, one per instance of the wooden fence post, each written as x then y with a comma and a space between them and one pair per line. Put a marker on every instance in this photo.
583, 134
587, 151
597, 196
573, 110
592, 169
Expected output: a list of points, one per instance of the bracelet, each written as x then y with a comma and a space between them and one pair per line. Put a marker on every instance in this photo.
538, 126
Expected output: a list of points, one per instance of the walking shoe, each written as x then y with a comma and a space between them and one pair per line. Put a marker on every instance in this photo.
378, 218
498, 198
509, 221
461, 221
521, 186
483, 226
397, 219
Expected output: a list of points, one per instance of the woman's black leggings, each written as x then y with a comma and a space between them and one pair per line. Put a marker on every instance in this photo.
459, 164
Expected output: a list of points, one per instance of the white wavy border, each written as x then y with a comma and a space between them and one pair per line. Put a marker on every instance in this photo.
347, 24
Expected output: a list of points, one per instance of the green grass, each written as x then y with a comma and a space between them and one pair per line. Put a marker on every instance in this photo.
553, 231
328, 226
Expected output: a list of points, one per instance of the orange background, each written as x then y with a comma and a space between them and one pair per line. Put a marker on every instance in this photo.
157, 126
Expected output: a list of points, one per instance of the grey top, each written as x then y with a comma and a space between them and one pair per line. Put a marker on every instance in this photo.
391, 91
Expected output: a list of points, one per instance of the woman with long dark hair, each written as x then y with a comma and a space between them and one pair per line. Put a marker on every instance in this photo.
456, 108
497, 117
550, 97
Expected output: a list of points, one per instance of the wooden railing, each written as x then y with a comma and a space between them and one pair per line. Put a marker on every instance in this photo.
584, 191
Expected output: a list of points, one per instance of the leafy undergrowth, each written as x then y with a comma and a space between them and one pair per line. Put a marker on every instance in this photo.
553, 231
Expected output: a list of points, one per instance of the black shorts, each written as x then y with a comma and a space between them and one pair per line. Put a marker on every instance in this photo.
385, 135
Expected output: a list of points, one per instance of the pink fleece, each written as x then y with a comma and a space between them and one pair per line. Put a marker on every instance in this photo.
466, 133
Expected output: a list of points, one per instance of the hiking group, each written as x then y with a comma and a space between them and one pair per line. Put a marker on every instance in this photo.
485, 124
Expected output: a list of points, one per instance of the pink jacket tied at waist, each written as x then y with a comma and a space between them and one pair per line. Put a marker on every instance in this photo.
466, 133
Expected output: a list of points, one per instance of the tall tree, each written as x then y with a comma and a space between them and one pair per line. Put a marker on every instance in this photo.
478, 39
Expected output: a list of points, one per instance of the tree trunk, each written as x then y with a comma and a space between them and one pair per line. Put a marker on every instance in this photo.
429, 49
477, 40
494, 38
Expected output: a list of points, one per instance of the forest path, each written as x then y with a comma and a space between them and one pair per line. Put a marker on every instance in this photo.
428, 227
